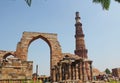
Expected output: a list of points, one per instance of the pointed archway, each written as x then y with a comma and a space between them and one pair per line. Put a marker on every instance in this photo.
49, 38
39, 53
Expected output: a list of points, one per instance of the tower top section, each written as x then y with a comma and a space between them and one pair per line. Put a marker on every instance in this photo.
77, 18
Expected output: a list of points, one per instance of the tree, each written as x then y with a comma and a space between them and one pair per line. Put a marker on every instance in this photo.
107, 71
28, 2
105, 3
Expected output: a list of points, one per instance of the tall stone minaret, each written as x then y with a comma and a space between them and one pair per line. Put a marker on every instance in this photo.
80, 50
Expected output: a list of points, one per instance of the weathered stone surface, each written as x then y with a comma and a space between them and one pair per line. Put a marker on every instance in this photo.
16, 70
116, 72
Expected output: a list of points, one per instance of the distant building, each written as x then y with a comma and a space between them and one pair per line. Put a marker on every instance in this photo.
116, 72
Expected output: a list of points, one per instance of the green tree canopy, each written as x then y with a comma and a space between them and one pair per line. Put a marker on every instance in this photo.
107, 71
104, 3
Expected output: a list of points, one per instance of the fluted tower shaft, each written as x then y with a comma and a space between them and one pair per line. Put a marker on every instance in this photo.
79, 37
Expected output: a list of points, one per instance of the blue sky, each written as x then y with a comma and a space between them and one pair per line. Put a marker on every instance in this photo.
101, 29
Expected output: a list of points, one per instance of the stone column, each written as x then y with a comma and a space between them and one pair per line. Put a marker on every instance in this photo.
60, 72
65, 72
83, 71
80, 71
57, 73
85, 78
76, 71
69, 71
91, 73
53, 75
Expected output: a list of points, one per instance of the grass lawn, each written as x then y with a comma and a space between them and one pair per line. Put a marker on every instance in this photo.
113, 81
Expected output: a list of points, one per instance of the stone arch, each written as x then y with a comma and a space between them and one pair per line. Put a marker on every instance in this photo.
8, 54
40, 37
49, 38
4, 54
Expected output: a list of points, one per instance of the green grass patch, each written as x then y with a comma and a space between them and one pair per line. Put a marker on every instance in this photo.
114, 81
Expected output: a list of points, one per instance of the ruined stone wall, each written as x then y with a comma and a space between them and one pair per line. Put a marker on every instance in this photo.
116, 72
16, 69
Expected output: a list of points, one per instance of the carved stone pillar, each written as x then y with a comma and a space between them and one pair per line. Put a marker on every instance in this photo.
66, 72
80, 71
85, 78
91, 73
57, 74
53, 75
76, 71
83, 71
60, 72
70, 71
63, 72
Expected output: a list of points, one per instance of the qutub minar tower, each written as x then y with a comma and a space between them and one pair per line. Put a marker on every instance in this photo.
80, 50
